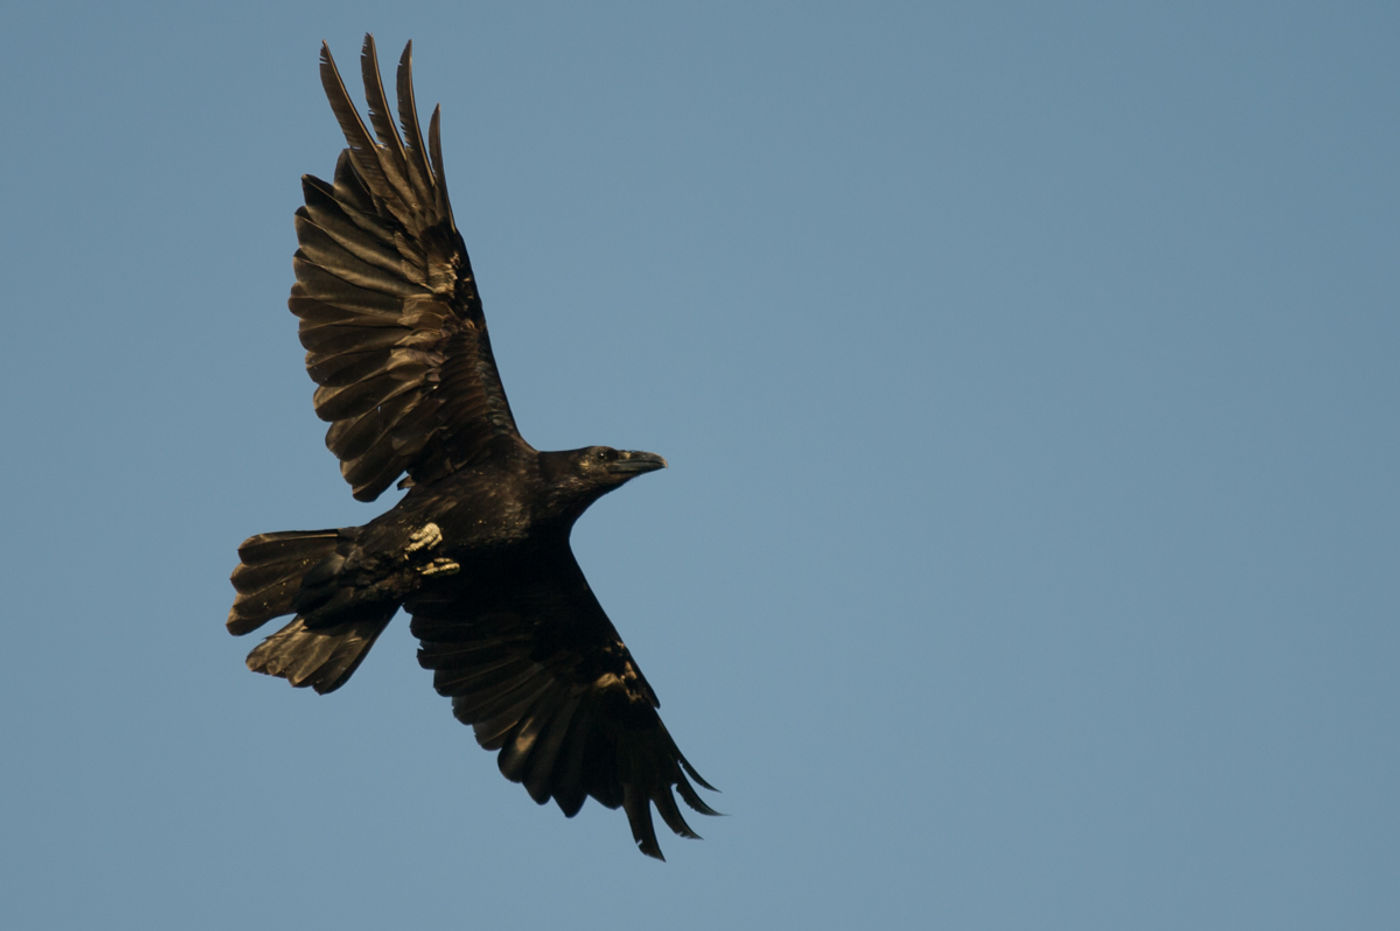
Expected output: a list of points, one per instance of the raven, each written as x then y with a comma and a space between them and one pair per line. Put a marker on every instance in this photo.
477, 550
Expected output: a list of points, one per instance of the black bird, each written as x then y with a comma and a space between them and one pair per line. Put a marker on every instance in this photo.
477, 550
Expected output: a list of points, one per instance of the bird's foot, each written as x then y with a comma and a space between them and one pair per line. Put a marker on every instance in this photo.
426, 537
440, 566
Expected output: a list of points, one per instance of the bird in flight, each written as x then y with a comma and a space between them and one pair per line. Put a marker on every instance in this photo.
477, 550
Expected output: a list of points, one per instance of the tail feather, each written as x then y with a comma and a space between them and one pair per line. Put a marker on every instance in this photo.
277, 573
323, 658
270, 575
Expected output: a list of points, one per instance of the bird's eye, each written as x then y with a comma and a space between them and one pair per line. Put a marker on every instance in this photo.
606, 455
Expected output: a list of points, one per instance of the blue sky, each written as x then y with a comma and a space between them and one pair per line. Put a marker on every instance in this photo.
1028, 554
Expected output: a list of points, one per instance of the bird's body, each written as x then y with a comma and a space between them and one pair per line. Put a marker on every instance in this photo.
477, 549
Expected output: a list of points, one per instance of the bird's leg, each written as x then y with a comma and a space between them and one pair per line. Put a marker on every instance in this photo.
429, 537
426, 537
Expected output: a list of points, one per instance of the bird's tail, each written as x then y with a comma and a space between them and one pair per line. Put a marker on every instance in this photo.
296, 572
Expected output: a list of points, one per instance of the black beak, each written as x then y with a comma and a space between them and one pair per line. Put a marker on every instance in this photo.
630, 463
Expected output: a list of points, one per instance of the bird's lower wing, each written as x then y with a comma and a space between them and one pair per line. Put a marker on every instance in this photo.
541, 675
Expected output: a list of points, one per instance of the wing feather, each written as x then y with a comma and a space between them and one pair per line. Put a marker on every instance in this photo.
412, 134
549, 746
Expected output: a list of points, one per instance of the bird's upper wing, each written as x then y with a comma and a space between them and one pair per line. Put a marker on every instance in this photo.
533, 664
390, 314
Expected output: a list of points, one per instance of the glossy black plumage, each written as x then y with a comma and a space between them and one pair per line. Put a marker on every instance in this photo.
477, 550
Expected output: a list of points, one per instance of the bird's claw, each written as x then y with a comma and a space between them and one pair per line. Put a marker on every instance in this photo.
425, 537
440, 566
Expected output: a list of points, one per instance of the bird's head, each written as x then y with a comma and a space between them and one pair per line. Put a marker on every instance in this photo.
581, 476
615, 466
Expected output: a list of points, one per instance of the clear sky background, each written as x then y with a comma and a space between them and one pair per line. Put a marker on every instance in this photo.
1030, 554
